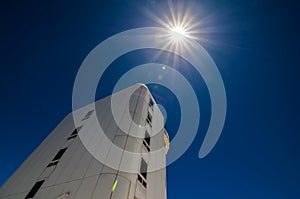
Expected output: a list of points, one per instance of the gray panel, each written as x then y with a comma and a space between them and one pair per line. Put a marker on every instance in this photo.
94, 168
71, 188
103, 187
47, 172
140, 191
67, 164
122, 189
82, 166
43, 193
55, 192
86, 187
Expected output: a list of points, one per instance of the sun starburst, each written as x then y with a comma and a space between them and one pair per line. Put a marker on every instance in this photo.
180, 26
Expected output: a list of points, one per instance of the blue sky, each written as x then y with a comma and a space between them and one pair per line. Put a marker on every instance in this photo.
254, 44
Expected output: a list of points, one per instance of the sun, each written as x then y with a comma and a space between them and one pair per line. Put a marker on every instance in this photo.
180, 24
178, 33
182, 27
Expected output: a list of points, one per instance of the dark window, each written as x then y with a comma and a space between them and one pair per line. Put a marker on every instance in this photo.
59, 154
52, 164
143, 169
34, 189
142, 176
149, 119
140, 179
74, 133
143, 182
146, 141
151, 103
72, 136
57, 157
88, 115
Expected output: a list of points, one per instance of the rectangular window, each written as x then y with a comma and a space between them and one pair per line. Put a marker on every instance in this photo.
88, 115
142, 176
72, 136
149, 119
52, 164
145, 184
151, 103
74, 133
143, 169
59, 154
146, 141
57, 157
142, 181
34, 189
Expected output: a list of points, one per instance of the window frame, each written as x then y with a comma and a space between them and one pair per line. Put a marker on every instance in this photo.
36, 187
147, 141
142, 176
57, 157
149, 119
151, 103
88, 115
143, 169
74, 133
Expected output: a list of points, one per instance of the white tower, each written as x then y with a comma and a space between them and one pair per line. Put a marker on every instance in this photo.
79, 162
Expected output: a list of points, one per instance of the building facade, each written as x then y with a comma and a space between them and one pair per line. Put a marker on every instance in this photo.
77, 161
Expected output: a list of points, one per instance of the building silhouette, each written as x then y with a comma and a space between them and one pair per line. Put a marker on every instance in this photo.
77, 161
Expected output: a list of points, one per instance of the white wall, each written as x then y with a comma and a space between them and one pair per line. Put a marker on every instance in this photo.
78, 172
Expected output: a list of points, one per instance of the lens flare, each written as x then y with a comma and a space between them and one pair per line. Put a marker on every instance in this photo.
181, 26
178, 33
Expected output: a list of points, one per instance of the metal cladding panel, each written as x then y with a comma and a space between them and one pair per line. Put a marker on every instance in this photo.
123, 192
157, 184
71, 188
103, 187
43, 193
67, 164
125, 125
107, 169
59, 190
54, 192
86, 187
81, 167
78, 173
140, 191
133, 145
106, 182
94, 168
17, 196
47, 172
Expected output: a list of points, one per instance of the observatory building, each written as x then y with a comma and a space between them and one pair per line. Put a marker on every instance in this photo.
96, 152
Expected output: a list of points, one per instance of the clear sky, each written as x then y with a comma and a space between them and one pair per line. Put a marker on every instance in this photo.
254, 44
